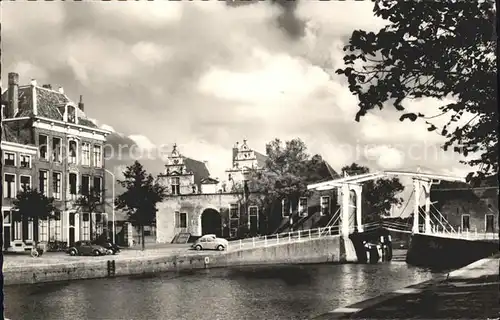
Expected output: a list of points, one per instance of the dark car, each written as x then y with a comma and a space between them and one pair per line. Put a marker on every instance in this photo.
86, 248
108, 245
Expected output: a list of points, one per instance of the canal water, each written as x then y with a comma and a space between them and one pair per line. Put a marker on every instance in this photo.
271, 292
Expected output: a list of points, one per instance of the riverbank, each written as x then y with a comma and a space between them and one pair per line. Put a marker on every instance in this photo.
467, 293
61, 267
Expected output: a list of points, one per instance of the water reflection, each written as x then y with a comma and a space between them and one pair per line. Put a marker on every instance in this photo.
271, 292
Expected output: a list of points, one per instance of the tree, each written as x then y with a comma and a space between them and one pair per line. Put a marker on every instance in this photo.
33, 205
286, 174
90, 202
437, 49
378, 195
142, 194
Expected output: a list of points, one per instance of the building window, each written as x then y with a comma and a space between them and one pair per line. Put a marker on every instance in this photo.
98, 186
176, 188
30, 230
72, 186
43, 182
57, 229
234, 212
489, 221
25, 182
183, 220
234, 219
72, 152
285, 208
43, 230
465, 222
9, 186
253, 215
85, 185
86, 226
56, 149
9, 159
86, 154
97, 156
303, 207
25, 161
6, 217
325, 205
18, 230
56, 187
43, 146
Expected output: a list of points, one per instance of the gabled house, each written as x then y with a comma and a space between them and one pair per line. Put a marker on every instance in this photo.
200, 204
66, 159
466, 207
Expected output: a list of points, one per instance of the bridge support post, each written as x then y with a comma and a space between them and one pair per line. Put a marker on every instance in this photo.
416, 208
427, 194
359, 217
344, 223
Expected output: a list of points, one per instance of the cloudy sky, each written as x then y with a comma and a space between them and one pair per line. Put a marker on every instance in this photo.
206, 74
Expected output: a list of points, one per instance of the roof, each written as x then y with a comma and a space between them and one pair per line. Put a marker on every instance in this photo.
209, 181
50, 104
333, 173
261, 159
9, 135
198, 168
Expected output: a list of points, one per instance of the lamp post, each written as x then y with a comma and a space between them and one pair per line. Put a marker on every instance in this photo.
113, 204
246, 174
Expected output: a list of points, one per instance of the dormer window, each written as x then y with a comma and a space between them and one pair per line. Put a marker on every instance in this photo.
71, 111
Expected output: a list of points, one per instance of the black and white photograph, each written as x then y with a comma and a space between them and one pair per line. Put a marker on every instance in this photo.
249, 159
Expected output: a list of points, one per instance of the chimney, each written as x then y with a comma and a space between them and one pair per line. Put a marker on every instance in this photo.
61, 90
13, 95
47, 86
80, 104
33, 82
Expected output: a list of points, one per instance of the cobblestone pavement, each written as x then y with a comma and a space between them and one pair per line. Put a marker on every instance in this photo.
471, 299
11, 260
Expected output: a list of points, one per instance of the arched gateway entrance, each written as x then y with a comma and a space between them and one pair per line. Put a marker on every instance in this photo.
211, 222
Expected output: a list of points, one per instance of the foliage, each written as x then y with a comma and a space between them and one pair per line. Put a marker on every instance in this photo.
378, 195
437, 49
142, 194
90, 202
288, 171
33, 204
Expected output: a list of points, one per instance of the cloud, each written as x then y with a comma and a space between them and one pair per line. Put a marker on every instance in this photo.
205, 74
142, 142
386, 157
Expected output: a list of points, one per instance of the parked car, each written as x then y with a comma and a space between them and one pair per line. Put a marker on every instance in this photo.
210, 242
108, 245
86, 248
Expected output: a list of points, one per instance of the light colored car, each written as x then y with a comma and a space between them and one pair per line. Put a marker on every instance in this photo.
210, 242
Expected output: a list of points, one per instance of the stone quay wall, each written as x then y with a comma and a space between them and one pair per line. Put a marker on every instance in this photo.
322, 250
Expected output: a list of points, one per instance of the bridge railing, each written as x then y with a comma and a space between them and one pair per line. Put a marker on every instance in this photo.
293, 236
467, 235
286, 237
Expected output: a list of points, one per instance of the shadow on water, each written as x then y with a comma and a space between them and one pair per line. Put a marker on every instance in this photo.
291, 275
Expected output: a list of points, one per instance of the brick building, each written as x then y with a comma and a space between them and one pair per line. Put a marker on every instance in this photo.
47, 137
466, 207
200, 204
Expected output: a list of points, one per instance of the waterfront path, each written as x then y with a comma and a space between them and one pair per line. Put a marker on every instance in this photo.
468, 293
15, 261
